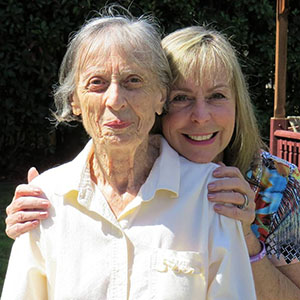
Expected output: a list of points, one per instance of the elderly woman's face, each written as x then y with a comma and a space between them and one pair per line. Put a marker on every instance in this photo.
116, 98
201, 119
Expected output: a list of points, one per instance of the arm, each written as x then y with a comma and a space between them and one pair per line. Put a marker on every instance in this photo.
27, 208
271, 282
25, 278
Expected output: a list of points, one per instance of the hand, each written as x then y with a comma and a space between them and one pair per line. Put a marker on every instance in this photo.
230, 189
27, 208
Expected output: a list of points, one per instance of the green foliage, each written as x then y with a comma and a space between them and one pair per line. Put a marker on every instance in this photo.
6, 194
34, 35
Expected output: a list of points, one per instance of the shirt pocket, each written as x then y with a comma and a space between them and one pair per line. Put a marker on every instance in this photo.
178, 275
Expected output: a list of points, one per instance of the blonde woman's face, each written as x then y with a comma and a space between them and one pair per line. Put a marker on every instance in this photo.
201, 119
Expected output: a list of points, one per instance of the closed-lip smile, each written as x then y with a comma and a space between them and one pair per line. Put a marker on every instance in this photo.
117, 124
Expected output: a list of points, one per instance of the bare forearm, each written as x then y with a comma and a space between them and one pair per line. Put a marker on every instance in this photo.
270, 282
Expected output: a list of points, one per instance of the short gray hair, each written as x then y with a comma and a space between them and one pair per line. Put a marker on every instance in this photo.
140, 37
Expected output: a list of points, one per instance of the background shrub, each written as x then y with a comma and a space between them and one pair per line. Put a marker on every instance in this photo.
34, 35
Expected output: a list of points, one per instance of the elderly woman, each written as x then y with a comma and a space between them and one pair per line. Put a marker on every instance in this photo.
210, 118
127, 220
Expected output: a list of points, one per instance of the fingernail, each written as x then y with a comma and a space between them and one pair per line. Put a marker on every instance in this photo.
211, 196
211, 186
43, 213
45, 203
217, 207
216, 172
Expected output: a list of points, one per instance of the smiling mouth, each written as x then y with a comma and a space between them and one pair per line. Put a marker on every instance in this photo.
200, 138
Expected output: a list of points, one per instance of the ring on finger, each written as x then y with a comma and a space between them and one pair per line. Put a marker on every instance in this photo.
245, 204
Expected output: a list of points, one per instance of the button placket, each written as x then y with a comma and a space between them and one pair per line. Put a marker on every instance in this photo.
124, 223
119, 278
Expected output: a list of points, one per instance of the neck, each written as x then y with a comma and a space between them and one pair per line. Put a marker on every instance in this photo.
124, 171
219, 158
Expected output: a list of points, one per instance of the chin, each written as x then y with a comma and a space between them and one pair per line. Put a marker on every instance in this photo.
199, 159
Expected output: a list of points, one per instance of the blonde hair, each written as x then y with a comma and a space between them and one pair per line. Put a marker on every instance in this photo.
198, 52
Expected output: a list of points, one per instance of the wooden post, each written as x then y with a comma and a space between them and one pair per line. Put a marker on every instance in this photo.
280, 58
278, 121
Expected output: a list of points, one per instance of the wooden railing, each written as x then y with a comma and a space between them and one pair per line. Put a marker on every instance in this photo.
288, 145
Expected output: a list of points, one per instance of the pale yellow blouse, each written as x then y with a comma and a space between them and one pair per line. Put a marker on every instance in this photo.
167, 244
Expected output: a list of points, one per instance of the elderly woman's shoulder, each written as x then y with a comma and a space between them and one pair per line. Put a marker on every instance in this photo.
66, 174
55, 177
190, 168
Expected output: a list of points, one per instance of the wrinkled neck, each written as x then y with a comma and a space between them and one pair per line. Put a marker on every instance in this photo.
124, 170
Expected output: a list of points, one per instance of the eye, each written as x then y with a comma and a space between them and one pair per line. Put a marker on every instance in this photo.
134, 79
97, 84
181, 100
216, 96
133, 82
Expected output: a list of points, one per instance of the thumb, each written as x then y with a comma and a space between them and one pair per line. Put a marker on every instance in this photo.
32, 173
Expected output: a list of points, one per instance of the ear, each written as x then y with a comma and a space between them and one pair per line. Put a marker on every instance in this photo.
75, 104
161, 103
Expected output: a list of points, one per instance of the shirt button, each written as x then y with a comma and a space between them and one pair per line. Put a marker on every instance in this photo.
123, 224
118, 234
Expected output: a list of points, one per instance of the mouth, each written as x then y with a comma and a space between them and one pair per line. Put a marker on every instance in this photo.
204, 138
200, 138
118, 124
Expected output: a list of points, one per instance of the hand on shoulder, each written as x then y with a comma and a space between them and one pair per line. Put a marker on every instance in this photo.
27, 208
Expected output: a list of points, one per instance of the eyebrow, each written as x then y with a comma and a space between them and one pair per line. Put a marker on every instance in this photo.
102, 71
180, 90
218, 86
226, 86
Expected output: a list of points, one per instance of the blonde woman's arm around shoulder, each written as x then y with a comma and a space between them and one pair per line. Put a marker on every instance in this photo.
273, 283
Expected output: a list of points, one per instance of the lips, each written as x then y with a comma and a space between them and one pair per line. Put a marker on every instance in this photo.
118, 124
200, 137
203, 139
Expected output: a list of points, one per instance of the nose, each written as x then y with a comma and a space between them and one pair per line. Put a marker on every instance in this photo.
200, 111
114, 97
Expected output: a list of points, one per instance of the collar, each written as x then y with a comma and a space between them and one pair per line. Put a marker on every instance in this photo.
164, 175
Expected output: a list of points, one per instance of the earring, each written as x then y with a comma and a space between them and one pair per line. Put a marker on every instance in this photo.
76, 111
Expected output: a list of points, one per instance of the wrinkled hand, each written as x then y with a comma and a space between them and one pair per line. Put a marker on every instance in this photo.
228, 193
27, 208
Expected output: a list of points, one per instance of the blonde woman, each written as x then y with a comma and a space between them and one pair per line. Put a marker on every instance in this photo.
210, 118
